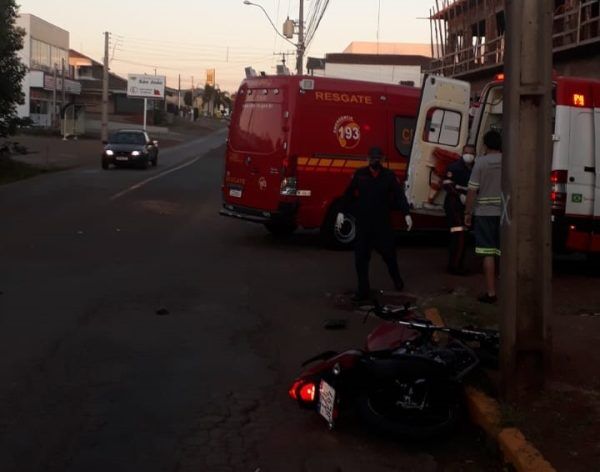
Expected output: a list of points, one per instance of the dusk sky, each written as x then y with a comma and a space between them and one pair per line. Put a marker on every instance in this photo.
187, 37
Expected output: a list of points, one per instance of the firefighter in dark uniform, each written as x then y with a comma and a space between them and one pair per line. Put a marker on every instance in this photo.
455, 183
371, 196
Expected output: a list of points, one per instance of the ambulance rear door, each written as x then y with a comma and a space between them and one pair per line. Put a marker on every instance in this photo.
582, 181
442, 128
596, 138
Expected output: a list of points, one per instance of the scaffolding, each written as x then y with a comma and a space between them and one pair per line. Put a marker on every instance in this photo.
469, 35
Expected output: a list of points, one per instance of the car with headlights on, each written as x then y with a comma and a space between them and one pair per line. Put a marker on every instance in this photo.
130, 147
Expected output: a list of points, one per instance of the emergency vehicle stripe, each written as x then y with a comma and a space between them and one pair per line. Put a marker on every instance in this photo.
323, 164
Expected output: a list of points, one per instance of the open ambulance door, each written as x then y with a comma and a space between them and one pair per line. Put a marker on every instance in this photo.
441, 132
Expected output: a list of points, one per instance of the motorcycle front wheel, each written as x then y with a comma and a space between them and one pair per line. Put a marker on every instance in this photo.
384, 409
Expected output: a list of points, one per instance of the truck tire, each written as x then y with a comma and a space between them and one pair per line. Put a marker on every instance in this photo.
280, 229
339, 239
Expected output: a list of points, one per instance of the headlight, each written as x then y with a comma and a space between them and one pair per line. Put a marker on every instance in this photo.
108, 152
135, 153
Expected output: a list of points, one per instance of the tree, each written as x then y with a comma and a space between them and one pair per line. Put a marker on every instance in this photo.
187, 98
12, 70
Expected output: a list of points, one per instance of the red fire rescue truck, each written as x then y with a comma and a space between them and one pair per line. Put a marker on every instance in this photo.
442, 130
294, 143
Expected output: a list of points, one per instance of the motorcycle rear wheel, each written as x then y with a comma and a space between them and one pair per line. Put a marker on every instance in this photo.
379, 408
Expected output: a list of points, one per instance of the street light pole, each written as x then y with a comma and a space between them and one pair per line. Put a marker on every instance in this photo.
300, 45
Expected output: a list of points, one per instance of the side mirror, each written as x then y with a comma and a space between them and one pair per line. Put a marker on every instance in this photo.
155, 143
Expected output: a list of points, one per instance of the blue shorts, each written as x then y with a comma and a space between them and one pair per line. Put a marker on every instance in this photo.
487, 235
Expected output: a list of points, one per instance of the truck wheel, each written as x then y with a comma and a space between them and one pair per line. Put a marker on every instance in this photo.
342, 238
280, 229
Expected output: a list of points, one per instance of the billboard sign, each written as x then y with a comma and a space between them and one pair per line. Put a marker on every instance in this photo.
146, 86
210, 77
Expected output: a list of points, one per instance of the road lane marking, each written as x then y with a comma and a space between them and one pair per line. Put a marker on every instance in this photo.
169, 171
155, 177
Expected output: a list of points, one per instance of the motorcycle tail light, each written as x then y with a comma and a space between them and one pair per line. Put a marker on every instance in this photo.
308, 392
303, 391
293, 391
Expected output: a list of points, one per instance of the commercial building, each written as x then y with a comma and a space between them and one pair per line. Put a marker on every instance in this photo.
48, 86
390, 63
90, 74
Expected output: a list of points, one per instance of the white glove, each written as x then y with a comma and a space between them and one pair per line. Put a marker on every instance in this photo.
339, 221
409, 222
463, 198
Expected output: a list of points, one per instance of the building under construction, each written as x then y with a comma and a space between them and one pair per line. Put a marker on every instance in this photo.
468, 37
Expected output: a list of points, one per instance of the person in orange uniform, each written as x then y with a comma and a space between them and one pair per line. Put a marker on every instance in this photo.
456, 183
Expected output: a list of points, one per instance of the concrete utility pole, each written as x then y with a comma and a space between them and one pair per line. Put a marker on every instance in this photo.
300, 58
53, 116
63, 115
179, 95
104, 134
526, 236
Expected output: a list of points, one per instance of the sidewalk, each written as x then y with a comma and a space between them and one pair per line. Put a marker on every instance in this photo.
563, 423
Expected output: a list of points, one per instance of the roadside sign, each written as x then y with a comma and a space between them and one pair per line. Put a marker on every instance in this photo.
146, 86
210, 77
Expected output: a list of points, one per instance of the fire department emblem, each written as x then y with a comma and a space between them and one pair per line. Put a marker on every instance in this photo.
347, 132
262, 183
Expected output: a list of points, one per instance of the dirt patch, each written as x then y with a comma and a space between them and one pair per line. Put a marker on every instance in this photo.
563, 422
11, 170
460, 309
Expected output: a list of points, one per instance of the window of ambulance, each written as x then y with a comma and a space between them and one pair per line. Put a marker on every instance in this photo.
442, 127
257, 128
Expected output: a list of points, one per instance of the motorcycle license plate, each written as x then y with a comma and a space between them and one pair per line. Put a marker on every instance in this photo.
235, 192
326, 401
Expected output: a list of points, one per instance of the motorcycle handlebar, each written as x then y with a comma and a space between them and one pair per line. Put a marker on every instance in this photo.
398, 313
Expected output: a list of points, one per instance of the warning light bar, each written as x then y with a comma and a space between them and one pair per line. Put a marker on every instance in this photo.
578, 100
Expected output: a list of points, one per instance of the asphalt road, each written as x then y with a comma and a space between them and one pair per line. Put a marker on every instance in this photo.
93, 379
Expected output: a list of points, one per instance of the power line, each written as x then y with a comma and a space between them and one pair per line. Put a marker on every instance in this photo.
185, 46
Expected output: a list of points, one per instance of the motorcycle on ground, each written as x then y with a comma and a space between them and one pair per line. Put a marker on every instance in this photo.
408, 379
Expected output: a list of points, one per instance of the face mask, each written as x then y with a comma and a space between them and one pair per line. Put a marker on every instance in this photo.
468, 158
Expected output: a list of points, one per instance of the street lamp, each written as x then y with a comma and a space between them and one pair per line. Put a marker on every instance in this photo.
300, 45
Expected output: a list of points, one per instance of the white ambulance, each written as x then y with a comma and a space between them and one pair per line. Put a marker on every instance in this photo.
443, 127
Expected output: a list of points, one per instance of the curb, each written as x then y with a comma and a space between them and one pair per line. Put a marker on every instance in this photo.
484, 411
